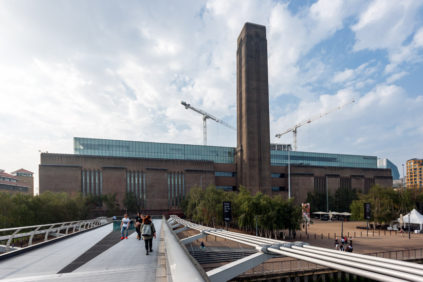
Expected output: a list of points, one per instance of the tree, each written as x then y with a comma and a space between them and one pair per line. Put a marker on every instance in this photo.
111, 204
130, 202
270, 214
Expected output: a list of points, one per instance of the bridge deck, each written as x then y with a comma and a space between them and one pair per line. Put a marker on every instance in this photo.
126, 260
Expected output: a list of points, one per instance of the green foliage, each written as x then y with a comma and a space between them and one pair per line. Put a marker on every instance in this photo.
24, 210
339, 202
386, 203
270, 214
318, 201
131, 202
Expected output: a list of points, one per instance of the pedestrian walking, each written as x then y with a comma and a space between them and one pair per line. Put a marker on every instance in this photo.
138, 222
148, 231
336, 244
124, 226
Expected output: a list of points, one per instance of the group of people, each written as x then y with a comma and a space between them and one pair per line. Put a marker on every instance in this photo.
144, 227
345, 244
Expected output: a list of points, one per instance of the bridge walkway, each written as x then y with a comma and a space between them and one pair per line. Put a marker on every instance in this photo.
124, 261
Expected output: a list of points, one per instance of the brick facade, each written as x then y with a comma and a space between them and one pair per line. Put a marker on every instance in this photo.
62, 173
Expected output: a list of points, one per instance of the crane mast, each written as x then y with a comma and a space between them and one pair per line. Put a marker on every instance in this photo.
295, 127
205, 117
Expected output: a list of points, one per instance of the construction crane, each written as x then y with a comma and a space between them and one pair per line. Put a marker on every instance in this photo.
295, 127
205, 117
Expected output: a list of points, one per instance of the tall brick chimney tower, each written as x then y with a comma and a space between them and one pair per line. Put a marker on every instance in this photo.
253, 140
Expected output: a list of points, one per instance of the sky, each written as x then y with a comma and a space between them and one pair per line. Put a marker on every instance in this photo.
119, 70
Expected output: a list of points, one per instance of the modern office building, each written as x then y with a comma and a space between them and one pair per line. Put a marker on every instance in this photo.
160, 174
385, 163
414, 176
19, 181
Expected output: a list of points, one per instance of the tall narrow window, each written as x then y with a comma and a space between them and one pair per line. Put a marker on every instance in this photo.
83, 182
168, 190
101, 182
136, 184
97, 189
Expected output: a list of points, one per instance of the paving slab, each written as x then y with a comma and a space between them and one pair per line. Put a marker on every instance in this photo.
52, 258
127, 253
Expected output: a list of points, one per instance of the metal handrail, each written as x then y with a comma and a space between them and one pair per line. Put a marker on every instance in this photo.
366, 266
48, 229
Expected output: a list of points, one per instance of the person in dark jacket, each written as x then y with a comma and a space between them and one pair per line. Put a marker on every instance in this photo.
148, 231
138, 222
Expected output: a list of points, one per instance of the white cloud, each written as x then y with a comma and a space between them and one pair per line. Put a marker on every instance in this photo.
344, 75
120, 70
382, 122
386, 24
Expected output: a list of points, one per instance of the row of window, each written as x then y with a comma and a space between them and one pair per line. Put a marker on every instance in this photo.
225, 173
226, 188
137, 149
282, 158
8, 179
24, 174
278, 188
176, 188
13, 188
92, 182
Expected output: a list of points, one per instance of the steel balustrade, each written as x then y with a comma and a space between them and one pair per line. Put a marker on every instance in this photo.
48, 229
381, 269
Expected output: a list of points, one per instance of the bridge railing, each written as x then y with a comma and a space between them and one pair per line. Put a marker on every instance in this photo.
47, 231
375, 268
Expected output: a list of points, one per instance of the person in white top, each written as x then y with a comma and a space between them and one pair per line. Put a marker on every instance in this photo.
124, 226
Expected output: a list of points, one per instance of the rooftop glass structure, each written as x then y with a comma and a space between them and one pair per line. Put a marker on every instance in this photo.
217, 154
152, 150
385, 163
280, 158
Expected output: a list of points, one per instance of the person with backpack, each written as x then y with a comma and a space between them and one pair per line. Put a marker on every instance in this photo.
148, 232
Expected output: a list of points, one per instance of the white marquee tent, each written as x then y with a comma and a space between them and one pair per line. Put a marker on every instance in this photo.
414, 217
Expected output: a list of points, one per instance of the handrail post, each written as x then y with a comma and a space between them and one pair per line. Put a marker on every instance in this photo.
32, 235
11, 238
48, 231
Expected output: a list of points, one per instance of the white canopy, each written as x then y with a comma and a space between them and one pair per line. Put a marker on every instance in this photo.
413, 217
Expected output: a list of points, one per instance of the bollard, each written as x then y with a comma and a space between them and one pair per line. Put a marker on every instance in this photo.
348, 234
384, 232
361, 233
314, 236
354, 235
321, 236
